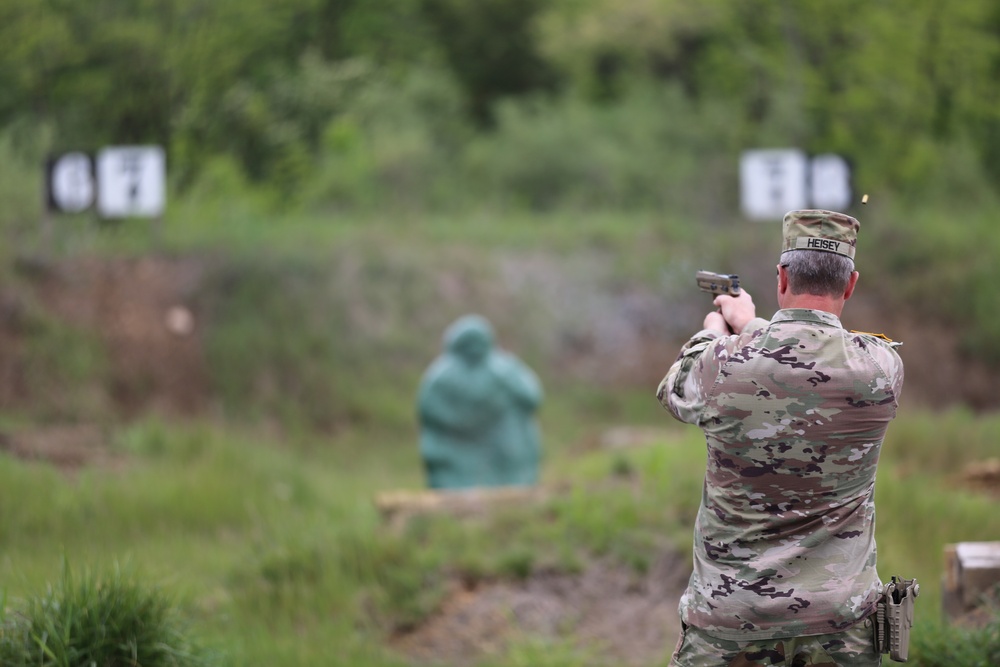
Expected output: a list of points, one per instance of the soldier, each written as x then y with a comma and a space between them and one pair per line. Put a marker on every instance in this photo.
794, 412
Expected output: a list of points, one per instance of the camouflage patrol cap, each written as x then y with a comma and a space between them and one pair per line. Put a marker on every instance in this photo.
828, 231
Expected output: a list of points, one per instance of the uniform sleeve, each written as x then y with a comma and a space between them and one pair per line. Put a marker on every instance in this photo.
889, 361
687, 384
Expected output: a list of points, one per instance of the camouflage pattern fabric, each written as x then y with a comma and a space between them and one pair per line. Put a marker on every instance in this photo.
794, 413
851, 648
826, 231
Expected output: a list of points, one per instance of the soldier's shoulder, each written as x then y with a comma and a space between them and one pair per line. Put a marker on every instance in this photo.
865, 338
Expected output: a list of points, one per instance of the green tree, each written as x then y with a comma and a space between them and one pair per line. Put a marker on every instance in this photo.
492, 48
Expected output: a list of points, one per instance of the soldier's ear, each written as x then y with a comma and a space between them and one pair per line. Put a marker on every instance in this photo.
782, 279
851, 284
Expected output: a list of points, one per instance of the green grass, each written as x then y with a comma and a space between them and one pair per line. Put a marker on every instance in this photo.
113, 618
275, 551
943, 646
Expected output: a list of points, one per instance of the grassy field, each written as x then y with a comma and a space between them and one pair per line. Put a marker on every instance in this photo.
276, 552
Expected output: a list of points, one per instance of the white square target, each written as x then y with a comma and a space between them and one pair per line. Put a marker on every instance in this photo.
131, 181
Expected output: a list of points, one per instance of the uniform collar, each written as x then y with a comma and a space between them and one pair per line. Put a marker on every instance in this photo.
807, 315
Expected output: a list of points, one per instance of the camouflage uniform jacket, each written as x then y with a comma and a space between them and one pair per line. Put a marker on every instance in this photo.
794, 412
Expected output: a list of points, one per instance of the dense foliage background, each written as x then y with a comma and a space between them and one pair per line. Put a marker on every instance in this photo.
418, 93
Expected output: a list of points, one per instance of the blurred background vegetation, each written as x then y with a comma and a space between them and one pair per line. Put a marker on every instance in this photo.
410, 109
348, 176
431, 104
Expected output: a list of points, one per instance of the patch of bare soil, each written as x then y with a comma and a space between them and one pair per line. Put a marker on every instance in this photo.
145, 311
68, 448
151, 314
609, 611
983, 476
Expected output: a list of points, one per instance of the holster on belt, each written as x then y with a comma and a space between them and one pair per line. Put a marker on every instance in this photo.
894, 618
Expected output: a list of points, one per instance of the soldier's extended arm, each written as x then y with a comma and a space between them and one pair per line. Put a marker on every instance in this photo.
686, 386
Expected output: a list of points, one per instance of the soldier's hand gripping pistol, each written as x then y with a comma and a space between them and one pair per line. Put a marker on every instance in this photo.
719, 283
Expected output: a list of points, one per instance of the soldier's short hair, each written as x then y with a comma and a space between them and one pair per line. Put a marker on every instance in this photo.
817, 272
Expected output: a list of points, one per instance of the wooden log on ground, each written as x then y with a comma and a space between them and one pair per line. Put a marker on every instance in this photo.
396, 507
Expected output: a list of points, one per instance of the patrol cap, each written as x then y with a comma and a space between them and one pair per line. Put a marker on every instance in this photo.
817, 229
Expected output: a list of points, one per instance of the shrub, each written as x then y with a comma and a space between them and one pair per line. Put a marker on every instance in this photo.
652, 150
106, 621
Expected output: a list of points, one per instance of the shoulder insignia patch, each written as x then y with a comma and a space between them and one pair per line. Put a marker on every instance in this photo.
892, 342
876, 335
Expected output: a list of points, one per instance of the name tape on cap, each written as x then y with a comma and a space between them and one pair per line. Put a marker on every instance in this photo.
828, 245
